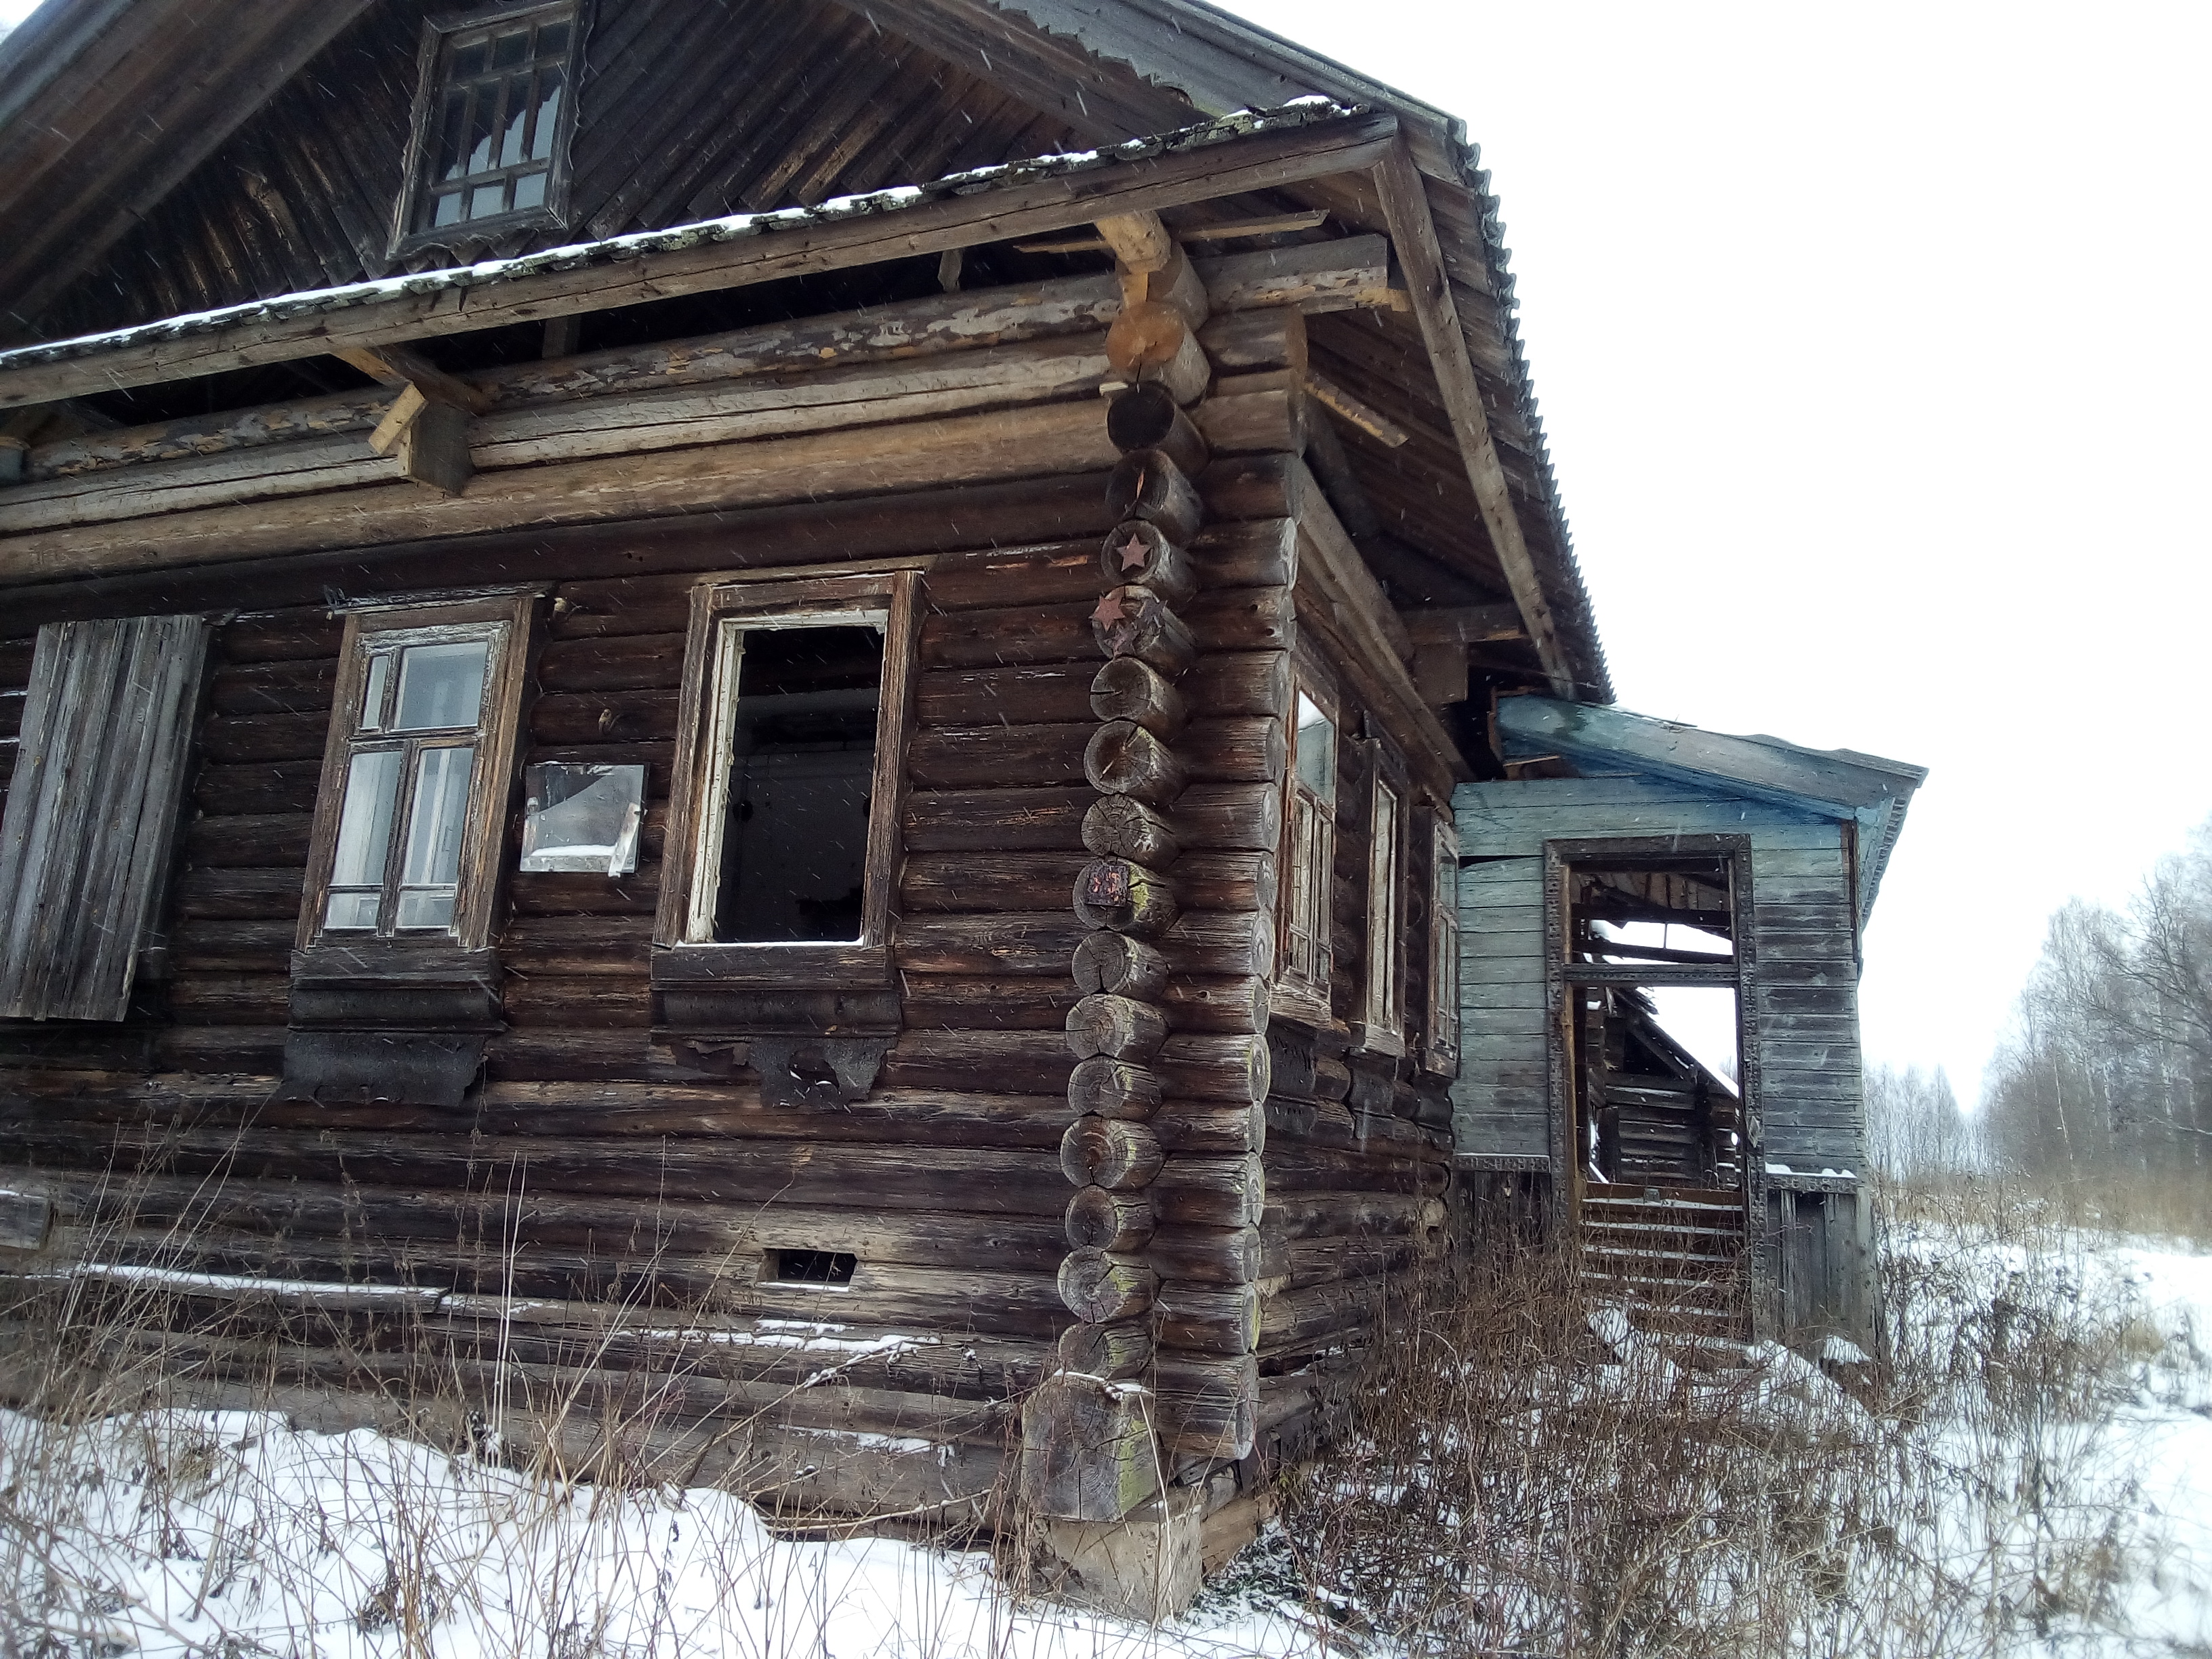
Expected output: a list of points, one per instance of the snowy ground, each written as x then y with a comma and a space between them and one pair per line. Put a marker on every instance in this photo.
232, 1536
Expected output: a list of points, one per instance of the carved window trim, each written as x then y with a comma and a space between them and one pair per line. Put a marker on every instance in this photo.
1304, 953
1381, 1027
504, 622
1440, 1052
412, 228
678, 958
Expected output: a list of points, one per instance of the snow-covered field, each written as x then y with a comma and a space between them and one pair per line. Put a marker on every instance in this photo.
233, 1535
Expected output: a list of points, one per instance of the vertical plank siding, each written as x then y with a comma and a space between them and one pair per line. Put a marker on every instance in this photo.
85, 838
1804, 987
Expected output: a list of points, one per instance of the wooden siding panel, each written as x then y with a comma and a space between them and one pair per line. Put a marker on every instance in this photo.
87, 836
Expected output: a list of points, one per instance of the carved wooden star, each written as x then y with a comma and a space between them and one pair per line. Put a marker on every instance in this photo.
1134, 552
1110, 610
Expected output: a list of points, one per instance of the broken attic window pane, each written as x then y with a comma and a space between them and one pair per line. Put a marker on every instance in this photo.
582, 818
801, 762
1680, 912
493, 120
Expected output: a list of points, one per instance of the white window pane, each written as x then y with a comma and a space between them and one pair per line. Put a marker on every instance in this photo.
441, 686
529, 190
372, 700
356, 909
365, 822
433, 856
426, 908
1317, 749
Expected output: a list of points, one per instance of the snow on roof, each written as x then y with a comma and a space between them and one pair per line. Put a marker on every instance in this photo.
1300, 113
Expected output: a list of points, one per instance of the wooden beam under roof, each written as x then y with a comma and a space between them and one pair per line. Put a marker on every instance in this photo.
1050, 199
1413, 235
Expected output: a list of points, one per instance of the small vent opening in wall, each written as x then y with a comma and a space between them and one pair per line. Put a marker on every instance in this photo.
812, 1266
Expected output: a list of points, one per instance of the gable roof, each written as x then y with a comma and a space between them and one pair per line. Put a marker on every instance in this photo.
1838, 784
1469, 505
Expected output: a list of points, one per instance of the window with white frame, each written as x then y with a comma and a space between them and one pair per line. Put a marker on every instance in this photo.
789, 762
415, 779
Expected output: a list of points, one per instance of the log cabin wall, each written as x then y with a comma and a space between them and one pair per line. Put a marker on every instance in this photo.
597, 1164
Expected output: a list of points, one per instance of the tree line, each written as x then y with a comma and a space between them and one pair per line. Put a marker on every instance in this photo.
2106, 1070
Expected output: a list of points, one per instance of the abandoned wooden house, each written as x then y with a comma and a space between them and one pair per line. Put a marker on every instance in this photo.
897, 690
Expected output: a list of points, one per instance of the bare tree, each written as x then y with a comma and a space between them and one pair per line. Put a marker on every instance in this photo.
2109, 1065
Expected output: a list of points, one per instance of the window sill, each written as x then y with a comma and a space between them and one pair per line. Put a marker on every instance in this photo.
1378, 1040
1300, 1003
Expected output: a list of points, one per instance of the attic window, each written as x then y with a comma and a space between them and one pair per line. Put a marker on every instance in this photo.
493, 112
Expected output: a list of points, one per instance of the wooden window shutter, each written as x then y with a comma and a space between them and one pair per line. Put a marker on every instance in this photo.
92, 809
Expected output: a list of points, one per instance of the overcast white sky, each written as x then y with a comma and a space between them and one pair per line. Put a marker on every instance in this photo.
1873, 349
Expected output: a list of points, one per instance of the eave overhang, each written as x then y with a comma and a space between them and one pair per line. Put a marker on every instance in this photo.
1841, 785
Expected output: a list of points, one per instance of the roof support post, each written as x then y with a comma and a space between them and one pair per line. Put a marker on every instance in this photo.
1413, 235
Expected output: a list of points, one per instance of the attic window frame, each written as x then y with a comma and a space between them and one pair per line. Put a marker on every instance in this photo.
433, 70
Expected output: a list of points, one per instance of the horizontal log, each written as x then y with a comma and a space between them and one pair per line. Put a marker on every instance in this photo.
1240, 422
1109, 1352
1148, 485
1006, 881
1024, 694
1129, 688
1242, 619
1126, 897
1147, 418
296, 687
1014, 943
1206, 1407
1260, 554
1216, 944
1022, 1062
1096, 1219
1105, 1086
996, 820
603, 716
1207, 1319
621, 662
1154, 342
1206, 1126
993, 577
1248, 749
958, 758
1109, 1152
1025, 443
1123, 827
220, 894
900, 1177
1255, 339
959, 1002
1205, 1190
1206, 1255
1116, 1027
1226, 1005
1100, 1289
1117, 964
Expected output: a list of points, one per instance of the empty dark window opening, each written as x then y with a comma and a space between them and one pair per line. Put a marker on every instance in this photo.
493, 121
813, 1267
798, 759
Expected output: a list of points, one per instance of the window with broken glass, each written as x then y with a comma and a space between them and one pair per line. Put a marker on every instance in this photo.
794, 710
493, 114
406, 828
